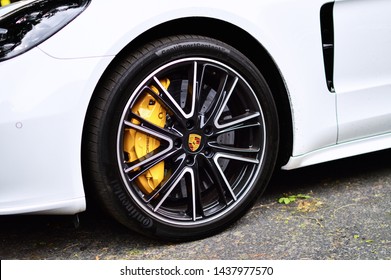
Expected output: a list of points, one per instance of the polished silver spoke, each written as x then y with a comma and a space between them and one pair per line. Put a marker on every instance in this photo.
244, 124
224, 104
172, 99
174, 185
193, 195
154, 157
238, 122
231, 157
233, 150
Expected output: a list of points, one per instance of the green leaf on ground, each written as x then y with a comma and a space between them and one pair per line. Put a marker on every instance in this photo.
292, 198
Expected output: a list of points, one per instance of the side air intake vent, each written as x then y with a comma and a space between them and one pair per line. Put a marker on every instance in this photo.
327, 26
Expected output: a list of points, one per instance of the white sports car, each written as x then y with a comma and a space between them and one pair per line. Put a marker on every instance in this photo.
174, 114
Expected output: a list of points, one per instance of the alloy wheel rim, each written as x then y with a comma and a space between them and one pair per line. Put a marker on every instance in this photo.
203, 178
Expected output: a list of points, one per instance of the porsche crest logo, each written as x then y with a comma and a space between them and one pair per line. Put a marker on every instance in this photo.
194, 142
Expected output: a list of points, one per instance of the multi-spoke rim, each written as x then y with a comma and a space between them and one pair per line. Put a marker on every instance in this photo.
209, 99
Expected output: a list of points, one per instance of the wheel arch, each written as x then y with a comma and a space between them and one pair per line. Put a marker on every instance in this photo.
242, 41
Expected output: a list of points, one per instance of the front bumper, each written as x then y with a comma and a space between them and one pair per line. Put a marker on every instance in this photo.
43, 101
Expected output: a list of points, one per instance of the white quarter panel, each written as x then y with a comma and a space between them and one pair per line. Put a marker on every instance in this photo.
362, 72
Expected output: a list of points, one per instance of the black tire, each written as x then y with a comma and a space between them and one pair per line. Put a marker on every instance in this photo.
194, 189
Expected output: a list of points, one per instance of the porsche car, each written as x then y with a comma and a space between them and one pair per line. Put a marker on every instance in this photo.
172, 115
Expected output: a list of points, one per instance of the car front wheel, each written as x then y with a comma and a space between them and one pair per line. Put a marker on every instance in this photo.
181, 137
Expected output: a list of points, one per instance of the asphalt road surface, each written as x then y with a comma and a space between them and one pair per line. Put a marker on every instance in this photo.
344, 213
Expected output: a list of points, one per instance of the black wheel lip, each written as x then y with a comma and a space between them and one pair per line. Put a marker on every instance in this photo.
149, 211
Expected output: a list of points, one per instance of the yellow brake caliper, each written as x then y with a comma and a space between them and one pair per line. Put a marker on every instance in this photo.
138, 144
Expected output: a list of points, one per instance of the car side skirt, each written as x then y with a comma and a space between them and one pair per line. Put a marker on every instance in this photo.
66, 207
342, 150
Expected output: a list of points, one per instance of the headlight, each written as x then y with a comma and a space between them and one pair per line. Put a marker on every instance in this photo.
33, 23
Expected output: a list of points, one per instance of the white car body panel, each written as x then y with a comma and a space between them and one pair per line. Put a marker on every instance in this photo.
362, 72
40, 133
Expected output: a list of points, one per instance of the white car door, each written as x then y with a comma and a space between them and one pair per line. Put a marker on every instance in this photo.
362, 67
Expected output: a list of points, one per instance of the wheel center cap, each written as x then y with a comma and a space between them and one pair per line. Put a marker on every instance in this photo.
194, 142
